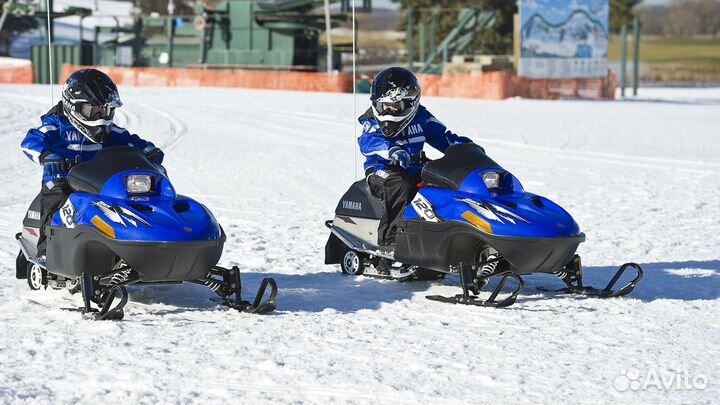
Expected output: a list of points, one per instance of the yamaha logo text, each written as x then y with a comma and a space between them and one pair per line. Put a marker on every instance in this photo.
352, 205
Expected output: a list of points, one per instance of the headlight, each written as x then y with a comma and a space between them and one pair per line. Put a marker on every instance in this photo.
491, 179
138, 184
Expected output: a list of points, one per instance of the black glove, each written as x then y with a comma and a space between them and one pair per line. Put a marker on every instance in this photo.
53, 166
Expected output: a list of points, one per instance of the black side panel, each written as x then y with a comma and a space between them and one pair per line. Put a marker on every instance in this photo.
90, 176
450, 171
358, 202
82, 249
334, 250
71, 252
437, 246
32, 215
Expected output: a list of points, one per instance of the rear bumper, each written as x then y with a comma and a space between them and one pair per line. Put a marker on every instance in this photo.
82, 249
438, 245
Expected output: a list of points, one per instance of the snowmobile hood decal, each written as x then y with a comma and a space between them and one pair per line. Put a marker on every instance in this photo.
477, 221
492, 211
424, 208
119, 214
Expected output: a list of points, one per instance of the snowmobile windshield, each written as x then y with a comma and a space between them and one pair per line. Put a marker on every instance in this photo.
91, 176
459, 161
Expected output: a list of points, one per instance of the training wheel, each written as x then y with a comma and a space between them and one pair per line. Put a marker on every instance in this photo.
352, 264
37, 277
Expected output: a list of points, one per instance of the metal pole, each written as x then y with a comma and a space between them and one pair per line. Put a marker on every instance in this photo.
354, 84
328, 36
636, 54
433, 28
171, 40
49, 4
80, 51
623, 60
445, 54
421, 39
409, 39
117, 40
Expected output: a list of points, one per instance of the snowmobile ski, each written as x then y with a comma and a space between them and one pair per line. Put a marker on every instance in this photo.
572, 276
227, 284
472, 287
111, 300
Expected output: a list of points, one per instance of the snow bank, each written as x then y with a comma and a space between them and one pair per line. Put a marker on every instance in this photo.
6, 62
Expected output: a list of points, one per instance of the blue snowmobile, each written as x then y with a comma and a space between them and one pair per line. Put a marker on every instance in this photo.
472, 218
125, 225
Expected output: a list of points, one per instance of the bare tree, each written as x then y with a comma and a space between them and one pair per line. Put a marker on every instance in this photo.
709, 11
694, 17
653, 20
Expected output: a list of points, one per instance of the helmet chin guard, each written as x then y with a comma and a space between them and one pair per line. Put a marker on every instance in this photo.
94, 133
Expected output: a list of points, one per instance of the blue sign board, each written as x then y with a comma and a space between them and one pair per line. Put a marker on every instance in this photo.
562, 39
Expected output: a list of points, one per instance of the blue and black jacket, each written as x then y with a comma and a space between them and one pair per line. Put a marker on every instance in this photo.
57, 136
423, 128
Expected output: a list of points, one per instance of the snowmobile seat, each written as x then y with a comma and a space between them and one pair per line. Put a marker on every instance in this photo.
450, 171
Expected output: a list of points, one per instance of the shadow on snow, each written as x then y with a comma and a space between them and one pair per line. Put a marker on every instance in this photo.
317, 292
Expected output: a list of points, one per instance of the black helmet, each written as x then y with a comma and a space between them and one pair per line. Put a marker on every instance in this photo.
89, 99
395, 99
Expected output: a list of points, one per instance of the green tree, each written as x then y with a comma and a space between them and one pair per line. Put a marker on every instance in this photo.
621, 13
497, 40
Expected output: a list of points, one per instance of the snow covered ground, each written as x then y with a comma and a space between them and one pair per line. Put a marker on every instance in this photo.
641, 177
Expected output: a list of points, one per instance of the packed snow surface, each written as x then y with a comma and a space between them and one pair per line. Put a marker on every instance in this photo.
641, 177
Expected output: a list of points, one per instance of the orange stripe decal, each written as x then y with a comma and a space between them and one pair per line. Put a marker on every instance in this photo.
103, 227
477, 221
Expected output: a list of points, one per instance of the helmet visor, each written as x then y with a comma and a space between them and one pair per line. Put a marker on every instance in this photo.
397, 102
93, 113
392, 108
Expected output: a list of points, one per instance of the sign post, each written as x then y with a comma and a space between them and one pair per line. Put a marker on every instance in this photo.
623, 60
636, 54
